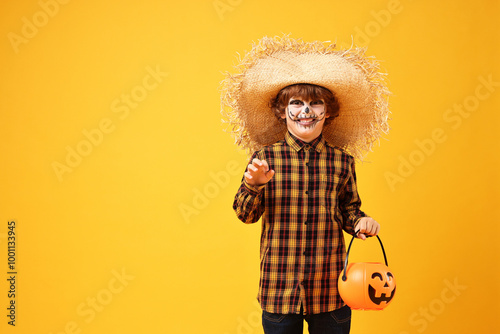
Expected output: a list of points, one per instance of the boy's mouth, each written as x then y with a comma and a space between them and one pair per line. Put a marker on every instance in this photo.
306, 120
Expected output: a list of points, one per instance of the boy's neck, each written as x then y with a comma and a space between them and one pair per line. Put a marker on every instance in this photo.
305, 140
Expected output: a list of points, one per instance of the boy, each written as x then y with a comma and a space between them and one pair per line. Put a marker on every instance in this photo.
302, 185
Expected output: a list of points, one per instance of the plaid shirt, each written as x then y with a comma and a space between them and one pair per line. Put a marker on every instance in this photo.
304, 207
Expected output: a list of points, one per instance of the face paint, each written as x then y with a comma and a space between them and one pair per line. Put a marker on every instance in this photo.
306, 113
305, 119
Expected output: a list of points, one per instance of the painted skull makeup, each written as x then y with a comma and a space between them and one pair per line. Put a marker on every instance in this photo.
304, 118
306, 113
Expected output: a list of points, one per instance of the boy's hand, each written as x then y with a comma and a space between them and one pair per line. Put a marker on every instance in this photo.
258, 173
367, 226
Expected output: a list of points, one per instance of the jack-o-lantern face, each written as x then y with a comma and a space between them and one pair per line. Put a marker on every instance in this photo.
368, 286
382, 287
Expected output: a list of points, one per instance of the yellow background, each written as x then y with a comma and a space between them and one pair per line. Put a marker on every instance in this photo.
150, 202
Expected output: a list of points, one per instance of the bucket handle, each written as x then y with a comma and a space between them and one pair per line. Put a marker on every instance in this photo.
344, 276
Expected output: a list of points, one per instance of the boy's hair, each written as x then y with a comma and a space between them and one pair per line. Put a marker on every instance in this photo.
306, 91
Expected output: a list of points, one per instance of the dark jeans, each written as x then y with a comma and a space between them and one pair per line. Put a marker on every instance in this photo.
334, 322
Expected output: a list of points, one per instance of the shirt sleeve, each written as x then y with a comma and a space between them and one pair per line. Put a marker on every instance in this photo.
350, 202
249, 201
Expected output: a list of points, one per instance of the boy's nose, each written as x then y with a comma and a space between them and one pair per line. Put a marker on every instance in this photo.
307, 110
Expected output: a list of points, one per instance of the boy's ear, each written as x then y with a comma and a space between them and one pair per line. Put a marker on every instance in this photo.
283, 113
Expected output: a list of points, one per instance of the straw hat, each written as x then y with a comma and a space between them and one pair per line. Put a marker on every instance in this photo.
274, 63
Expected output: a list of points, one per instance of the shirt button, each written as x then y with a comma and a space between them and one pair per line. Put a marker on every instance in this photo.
307, 164
307, 192
306, 222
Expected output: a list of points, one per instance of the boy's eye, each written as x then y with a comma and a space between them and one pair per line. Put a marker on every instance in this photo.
316, 102
296, 102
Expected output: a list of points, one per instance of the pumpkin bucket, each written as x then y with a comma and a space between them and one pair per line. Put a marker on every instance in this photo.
367, 285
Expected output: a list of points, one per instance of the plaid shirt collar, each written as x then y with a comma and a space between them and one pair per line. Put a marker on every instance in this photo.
318, 144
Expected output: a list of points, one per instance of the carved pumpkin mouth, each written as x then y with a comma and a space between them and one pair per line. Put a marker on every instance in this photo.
382, 298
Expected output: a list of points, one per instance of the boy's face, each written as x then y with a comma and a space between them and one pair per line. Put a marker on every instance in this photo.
305, 118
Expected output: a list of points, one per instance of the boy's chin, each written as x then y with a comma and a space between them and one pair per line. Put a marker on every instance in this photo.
306, 134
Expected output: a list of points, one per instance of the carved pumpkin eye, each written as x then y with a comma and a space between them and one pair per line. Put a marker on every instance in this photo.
377, 275
389, 274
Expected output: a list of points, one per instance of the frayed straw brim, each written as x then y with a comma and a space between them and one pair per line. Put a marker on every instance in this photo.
274, 63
